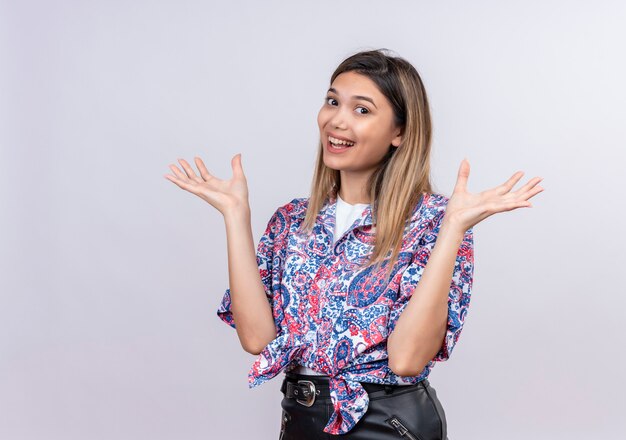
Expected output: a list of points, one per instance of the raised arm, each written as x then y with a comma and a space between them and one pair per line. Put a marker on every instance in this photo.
251, 310
424, 328
249, 305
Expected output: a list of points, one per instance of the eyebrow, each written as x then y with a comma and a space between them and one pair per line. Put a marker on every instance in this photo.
364, 98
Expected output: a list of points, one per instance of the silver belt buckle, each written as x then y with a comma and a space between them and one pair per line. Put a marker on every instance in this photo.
309, 393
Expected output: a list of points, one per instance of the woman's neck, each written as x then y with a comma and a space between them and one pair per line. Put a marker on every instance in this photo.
354, 188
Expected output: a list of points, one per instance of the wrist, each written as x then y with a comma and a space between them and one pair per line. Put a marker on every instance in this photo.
238, 213
452, 228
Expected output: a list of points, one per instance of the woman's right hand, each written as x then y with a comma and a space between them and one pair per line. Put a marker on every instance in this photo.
224, 195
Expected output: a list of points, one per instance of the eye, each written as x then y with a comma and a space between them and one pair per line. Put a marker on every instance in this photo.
364, 112
330, 100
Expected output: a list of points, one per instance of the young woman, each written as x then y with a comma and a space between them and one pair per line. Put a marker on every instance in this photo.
347, 293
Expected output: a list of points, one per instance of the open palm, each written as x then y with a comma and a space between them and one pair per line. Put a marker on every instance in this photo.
466, 209
221, 194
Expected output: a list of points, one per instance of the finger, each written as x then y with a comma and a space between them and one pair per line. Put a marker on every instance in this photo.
180, 183
510, 183
522, 200
530, 184
179, 174
527, 191
462, 176
532, 193
190, 172
203, 170
513, 204
236, 166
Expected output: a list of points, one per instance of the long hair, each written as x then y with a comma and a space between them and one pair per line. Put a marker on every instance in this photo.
403, 175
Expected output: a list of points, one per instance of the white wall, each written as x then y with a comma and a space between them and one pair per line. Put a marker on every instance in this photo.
111, 275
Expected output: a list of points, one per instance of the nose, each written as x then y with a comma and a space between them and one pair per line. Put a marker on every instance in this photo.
338, 120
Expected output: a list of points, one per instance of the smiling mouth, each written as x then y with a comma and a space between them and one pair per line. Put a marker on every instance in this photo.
339, 143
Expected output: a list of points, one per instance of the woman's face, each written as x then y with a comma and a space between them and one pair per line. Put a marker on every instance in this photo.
356, 112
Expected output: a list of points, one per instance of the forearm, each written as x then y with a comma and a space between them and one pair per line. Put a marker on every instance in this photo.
249, 305
421, 327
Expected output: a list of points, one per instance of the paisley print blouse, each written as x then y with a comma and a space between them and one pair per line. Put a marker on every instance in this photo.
334, 317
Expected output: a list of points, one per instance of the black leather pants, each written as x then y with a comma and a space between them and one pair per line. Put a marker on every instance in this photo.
409, 412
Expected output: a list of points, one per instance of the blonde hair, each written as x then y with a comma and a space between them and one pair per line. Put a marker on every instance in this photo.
403, 175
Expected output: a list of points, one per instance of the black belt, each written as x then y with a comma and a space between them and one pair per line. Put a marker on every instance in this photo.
306, 388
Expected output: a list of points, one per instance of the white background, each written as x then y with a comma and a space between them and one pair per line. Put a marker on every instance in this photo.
111, 275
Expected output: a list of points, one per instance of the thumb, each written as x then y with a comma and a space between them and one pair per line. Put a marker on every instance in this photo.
463, 175
236, 165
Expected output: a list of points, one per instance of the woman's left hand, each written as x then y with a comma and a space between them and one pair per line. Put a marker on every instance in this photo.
465, 209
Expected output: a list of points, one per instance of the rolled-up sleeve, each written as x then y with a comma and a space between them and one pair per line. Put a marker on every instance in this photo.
460, 286
268, 249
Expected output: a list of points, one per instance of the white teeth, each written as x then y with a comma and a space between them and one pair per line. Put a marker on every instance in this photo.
339, 141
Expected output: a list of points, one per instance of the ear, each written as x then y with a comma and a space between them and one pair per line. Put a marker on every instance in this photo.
397, 140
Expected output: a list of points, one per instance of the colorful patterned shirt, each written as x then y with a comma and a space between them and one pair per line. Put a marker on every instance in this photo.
333, 316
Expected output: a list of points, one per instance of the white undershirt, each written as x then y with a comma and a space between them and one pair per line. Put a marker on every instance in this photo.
345, 215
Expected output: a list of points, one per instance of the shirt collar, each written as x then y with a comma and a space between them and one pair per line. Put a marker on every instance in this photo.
328, 212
